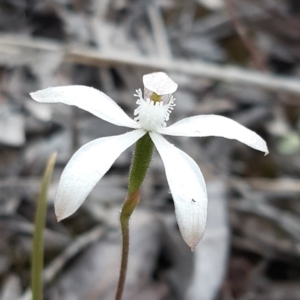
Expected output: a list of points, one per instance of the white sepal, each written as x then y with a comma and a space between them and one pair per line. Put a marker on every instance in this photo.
188, 189
89, 99
213, 125
86, 167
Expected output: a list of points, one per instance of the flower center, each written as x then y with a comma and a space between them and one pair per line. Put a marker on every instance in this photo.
153, 112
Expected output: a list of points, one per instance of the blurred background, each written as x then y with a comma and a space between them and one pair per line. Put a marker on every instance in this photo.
236, 58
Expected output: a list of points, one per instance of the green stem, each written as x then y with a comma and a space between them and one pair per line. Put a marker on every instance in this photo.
139, 166
127, 209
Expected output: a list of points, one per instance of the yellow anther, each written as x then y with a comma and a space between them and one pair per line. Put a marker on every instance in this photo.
155, 98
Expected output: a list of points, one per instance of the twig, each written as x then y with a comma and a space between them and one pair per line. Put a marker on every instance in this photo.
57, 264
228, 73
287, 221
282, 185
159, 32
79, 244
268, 248
255, 203
257, 57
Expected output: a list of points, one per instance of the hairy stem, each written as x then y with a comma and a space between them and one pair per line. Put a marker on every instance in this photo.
139, 166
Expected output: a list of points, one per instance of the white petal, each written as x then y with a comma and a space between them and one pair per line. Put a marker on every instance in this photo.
89, 99
159, 83
188, 189
212, 125
87, 167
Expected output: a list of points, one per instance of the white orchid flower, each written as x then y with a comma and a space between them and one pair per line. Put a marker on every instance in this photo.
90, 163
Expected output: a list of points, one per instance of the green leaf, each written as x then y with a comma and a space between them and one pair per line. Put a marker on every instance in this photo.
37, 258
